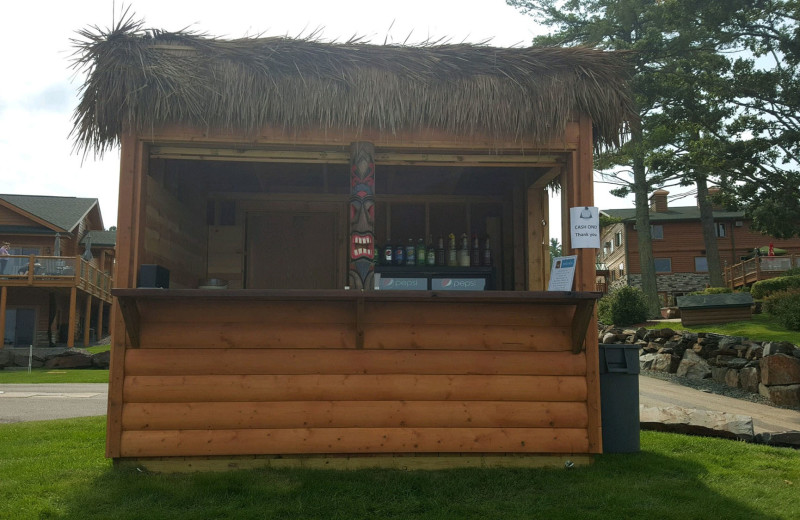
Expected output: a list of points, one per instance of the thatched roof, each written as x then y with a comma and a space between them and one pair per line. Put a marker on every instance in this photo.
140, 79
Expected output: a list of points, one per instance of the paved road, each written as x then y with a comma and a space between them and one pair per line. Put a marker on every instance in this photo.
655, 392
43, 402
59, 401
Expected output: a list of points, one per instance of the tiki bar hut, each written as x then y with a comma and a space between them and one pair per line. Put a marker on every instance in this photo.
261, 182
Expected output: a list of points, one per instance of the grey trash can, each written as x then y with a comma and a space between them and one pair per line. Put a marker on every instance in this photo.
619, 397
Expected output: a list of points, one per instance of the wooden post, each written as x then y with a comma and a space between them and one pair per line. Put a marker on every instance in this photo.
130, 240
73, 302
538, 238
361, 269
87, 320
3, 302
100, 318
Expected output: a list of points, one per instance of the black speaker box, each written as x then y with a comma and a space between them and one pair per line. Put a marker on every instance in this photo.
152, 275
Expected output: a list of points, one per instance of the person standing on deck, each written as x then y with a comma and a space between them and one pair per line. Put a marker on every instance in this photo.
4, 252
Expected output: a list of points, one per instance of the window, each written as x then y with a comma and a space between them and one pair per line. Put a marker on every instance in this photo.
657, 232
701, 264
720, 228
621, 270
663, 265
618, 238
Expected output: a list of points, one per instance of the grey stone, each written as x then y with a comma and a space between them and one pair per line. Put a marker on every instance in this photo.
749, 378
732, 378
101, 359
76, 359
651, 347
777, 347
693, 366
696, 422
788, 439
755, 351
780, 369
640, 332
665, 363
728, 342
609, 338
718, 374
737, 363
646, 361
782, 395
667, 333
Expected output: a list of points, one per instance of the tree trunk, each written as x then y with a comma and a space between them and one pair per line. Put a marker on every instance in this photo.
641, 190
709, 233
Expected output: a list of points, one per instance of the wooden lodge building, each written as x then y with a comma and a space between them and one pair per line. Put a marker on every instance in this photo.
261, 177
55, 283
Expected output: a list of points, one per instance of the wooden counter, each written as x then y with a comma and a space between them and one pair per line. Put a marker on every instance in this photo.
238, 372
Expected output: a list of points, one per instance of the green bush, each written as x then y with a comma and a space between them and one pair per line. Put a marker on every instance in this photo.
785, 306
794, 271
764, 288
624, 306
714, 290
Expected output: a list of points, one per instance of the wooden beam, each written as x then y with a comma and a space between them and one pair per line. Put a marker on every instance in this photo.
548, 177
100, 319
538, 238
87, 320
3, 303
73, 303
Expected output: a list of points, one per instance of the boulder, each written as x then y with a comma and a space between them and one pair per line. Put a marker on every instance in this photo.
737, 363
609, 338
780, 369
667, 332
21, 358
70, 359
755, 351
101, 359
646, 361
651, 348
777, 347
665, 363
788, 439
732, 378
782, 395
693, 366
6, 358
729, 342
749, 378
696, 422
718, 374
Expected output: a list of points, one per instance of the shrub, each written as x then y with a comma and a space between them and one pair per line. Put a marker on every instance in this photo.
794, 271
624, 306
714, 290
764, 288
785, 306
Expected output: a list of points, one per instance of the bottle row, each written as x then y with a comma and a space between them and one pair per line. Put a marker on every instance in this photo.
465, 255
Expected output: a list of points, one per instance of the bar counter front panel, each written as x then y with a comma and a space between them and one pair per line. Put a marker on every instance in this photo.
238, 372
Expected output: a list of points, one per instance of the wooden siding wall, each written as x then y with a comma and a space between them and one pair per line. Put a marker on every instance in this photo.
175, 235
683, 241
301, 377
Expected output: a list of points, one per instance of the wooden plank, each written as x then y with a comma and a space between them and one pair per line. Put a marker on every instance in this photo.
73, 311
156, 362
132, 320
87, 320
487, 337
187, 389
583, 315
353, 414
410, 462
467, 312
538, 239
353, 440
271, 312
248, 335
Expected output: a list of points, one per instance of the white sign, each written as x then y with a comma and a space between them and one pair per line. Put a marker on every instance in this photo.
584, 223
562, 273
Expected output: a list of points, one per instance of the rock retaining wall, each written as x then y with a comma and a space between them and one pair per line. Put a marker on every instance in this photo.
770, 368
54, 357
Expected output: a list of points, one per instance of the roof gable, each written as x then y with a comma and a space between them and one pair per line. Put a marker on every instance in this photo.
61, 214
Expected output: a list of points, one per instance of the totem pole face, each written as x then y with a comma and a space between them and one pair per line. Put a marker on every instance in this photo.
362, 221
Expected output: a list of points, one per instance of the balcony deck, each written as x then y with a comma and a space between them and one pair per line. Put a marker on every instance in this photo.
56, 271
759, 268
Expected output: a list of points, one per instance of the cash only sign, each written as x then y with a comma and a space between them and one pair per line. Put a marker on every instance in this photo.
584, 224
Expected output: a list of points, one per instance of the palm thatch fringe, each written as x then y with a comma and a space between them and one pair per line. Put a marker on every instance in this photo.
138, 80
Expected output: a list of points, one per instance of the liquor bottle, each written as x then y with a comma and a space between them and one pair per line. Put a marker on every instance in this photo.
463, 251
487, 253
452, 254
388, 252
475, 252
422, 252
399, 255
440, 256
430, 253
411, 253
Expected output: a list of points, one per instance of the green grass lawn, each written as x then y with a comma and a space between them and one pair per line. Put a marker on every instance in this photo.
762, 327
56, 469
50, 375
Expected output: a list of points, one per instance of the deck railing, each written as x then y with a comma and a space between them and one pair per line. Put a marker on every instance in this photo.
759, 268
56, 271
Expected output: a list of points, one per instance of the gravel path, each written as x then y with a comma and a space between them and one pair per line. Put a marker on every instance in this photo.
712, 387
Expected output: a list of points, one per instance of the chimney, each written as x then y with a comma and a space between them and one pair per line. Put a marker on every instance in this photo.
713, 191
658, 201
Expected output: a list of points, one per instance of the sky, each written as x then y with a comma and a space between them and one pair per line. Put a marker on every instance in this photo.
39, 89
